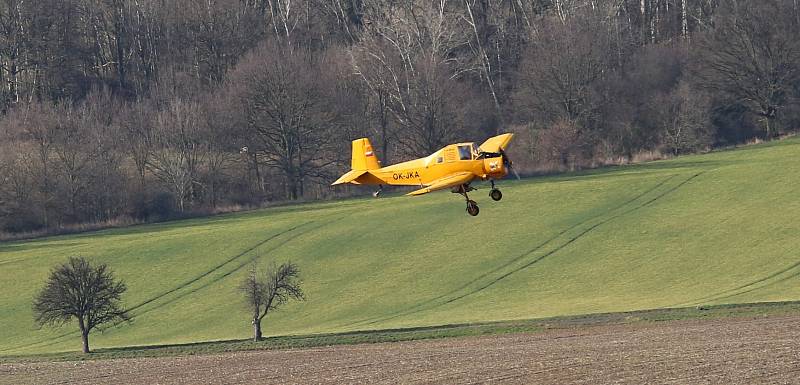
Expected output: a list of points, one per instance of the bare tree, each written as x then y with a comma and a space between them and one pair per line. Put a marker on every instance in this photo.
107, 176
74, 150
221, 32
560, 144
176, 148
480, 41
38, 120
562, 86
19, 210
14, 23
6, 165
267, 290
753, 58
291, 112
223, 138
683, 119
563, 69
137, 125
78, 290
408, 55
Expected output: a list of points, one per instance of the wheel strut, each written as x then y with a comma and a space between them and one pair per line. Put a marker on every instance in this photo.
495, 193
472, 206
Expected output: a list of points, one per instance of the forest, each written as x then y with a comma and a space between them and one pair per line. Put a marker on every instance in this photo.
126, 111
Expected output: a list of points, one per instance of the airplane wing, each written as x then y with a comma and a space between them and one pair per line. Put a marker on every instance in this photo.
445, 182
496, 143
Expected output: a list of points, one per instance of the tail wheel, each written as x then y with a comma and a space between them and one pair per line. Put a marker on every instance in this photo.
496, 195
472, 208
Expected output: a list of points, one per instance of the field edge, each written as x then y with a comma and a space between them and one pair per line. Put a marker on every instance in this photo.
528, 326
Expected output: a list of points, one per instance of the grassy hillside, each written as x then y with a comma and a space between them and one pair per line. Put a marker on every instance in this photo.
709, 229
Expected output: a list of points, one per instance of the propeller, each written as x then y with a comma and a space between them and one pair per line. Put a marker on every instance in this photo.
508, 163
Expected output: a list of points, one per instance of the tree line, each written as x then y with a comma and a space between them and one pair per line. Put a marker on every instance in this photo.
148, 109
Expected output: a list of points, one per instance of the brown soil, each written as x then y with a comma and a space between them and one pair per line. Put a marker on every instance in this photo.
724, 351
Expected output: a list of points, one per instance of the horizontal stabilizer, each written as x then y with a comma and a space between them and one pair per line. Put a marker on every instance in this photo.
350, 177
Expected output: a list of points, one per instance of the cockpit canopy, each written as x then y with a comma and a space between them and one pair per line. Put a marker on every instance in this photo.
467, 151
456, 152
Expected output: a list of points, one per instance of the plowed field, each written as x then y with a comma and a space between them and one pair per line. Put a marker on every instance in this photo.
723, 351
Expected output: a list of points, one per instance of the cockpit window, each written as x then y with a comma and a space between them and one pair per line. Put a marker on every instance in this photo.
464, 152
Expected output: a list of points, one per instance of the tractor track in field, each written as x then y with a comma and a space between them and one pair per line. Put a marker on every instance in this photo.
581, 234
426, 305
215, 268
749, 350
11, 261
737, 290
240, 266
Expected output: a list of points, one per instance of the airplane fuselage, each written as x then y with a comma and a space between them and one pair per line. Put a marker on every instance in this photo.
447, 161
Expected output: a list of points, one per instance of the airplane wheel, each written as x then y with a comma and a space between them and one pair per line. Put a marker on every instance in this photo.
496, 195
472, 208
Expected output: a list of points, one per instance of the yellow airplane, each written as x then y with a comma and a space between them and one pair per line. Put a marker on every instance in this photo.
454, 166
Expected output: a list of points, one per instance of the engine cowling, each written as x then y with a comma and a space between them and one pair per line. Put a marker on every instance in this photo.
494, 166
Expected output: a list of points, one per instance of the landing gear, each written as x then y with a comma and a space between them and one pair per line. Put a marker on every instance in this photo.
472, 206
378, 193
495, 194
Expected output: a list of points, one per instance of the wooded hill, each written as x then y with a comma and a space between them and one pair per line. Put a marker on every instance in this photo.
146, 109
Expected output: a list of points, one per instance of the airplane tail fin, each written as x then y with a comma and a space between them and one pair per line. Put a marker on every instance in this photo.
363, 159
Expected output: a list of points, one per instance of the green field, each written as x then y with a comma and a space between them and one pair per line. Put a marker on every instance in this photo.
708, 229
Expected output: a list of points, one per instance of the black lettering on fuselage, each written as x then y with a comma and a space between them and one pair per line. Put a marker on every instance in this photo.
405, 175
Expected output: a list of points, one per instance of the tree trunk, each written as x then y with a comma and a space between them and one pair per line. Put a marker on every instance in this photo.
119, 30
257, 330
384, 121
291, 185
46, 190
180, 193
767, 128
213, 187
796, 13
142, 169
259, 182
85, 338
684, 20
84, 335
